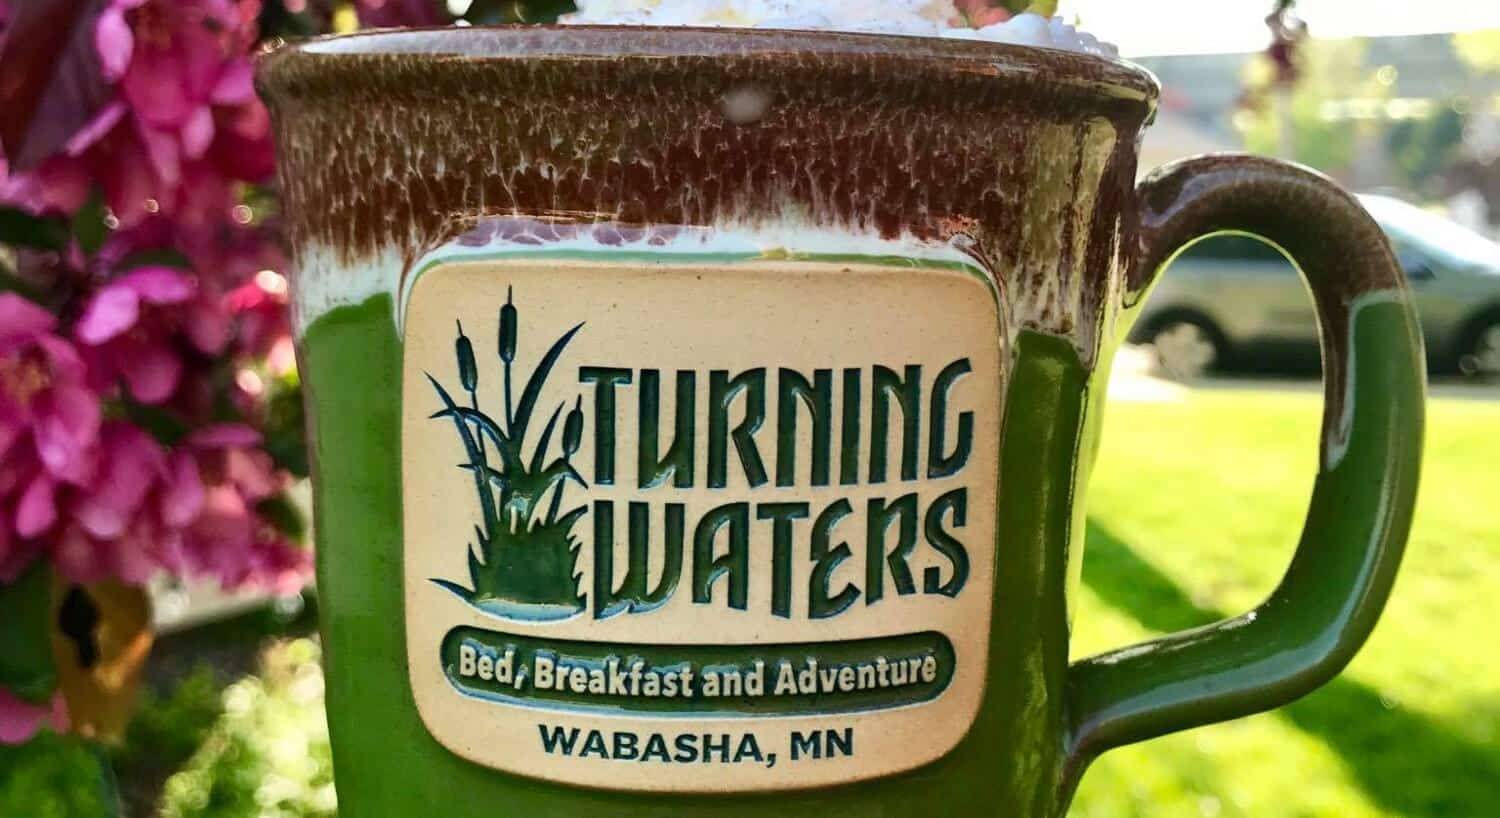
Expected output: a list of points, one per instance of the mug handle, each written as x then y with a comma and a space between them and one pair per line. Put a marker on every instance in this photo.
1374, 385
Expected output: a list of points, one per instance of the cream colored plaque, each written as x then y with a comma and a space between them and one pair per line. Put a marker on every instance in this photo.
699, 527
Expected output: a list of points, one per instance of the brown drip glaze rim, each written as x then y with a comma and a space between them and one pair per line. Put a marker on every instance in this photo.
326, 65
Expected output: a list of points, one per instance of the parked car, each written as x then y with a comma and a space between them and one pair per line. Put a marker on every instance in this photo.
1235, 301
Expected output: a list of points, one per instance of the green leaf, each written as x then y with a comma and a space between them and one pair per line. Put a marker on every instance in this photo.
26, 667
285, 515
480, 419
541, 444
162, 257
21, 229
486, 500
285, 427
534, 384
161, 424
12, 283
89, 227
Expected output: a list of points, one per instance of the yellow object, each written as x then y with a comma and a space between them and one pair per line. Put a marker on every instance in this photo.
101, 635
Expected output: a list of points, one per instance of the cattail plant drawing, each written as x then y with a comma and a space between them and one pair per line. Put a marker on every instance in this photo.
523, 562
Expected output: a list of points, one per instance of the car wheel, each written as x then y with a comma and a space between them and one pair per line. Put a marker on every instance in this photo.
1186, 348
1481, 355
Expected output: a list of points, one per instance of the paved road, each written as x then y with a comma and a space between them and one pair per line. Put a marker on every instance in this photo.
1134, 380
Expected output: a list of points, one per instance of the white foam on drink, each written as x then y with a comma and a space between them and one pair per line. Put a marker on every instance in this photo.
920, 18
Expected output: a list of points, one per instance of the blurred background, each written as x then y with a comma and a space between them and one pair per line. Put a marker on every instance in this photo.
1201, 486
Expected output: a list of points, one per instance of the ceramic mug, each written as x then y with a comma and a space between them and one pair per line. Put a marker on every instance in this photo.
703, 419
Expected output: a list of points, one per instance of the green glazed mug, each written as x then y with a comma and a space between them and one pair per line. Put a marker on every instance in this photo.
703, 419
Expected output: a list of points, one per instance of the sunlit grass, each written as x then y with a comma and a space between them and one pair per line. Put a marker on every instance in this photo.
1195, 509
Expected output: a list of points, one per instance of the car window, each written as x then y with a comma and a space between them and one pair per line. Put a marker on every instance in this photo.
1412, 260
1444, 242
1240, 249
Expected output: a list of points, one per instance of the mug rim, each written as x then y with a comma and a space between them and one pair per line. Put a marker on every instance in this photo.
331, 58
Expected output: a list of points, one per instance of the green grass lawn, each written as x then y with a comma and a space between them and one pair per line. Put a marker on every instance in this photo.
1194, 511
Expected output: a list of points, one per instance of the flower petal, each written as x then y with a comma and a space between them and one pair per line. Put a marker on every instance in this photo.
78, 558
208, 327
108, 117
157, 87
164, 152
114, 41
132, 463
62, 359
10, 432
252, 472
111, 311
37, 510
198, 132
160, 285
182, 497
134, 558
66, 430
151, 371
19, 720
21, 321
129, 179
236, 84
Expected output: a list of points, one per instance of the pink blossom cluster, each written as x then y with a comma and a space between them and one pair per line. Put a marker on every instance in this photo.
130, 403
184, 126
94, 491
146, 364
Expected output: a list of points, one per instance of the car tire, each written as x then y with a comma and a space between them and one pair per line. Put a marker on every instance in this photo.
1479, 353
1186, 347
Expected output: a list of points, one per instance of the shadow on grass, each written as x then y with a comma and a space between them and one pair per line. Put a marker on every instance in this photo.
1405, 762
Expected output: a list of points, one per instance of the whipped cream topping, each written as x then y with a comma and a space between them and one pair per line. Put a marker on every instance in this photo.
918, 18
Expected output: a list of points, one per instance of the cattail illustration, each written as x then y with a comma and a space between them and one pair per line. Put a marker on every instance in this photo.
509, 319
522, 563
468, 369
468, 376
573, 430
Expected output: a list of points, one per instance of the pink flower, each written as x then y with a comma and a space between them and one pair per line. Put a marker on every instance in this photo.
264, 321
174, 60
395, 13
186, 124
230, 539
168, 152
111, 529
130, 328
981, 13
20, 720
59, 185
44, 399
130, 465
